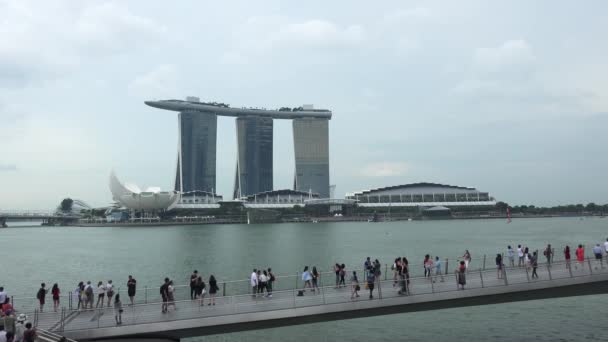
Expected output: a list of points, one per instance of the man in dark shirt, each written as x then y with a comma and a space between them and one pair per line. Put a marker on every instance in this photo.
164, 293
193, 277
131, 287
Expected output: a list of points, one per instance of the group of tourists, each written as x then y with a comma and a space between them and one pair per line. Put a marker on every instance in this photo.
262, 280
13, 327
198, 289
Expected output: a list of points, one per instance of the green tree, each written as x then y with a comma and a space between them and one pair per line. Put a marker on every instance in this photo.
66, 204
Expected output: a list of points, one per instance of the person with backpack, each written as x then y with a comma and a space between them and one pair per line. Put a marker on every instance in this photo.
55, 293
269, 284
213, 288
164, 294
41, 295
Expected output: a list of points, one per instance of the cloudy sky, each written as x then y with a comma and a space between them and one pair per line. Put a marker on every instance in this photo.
510, 97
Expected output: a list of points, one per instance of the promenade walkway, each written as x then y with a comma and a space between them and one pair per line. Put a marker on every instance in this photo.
243, 311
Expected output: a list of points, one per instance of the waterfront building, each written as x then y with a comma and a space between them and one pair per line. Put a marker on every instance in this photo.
311, 146
254, 156
285, 198
422, 195
132, 197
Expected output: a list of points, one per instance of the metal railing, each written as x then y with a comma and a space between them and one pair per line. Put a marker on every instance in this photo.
297, 296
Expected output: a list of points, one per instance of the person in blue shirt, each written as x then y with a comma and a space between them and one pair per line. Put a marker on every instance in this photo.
438, 269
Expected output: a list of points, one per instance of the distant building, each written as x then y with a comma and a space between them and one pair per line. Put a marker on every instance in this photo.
254, 158
132, 197
311, 146
422, 195
286, 198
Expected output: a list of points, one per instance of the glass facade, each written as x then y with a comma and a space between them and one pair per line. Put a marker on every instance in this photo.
197, 152
254, 159
311, 146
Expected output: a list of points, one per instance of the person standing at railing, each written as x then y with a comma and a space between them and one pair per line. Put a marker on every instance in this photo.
467, 259
193, 277
354, 283
307, 279
597, 251
118, 309
315, 279
262, 281
89, 295
580, 257
527, 258
213, 289
55, 292
499, 266
511, 256
171, 295
427, 263
271, 280
109, 292
200, 290
164, 294
367, 265
534, 264
253, 280
132, 287
438, 269
395, 272
520, 256
461, 275
41, 296
337, 270
548, 253
101, 294
342, 276
567, 255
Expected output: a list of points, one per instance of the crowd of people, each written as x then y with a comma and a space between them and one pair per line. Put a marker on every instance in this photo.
262, 280
13, 327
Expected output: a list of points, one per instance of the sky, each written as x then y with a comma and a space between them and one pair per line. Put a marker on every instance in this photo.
508, 97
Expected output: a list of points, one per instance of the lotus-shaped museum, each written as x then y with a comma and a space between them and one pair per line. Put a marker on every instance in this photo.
132, 197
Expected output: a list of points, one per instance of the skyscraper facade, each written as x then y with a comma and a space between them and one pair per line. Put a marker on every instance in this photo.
254, 159
311, 147
197, 152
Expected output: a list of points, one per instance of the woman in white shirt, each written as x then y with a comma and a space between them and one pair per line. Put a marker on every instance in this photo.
109, 292
307, 278
101, 294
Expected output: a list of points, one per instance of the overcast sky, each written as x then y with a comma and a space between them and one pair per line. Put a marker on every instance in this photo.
509, 97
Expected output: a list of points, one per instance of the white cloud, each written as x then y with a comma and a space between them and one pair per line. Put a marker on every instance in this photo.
511, 54
385, 169
408, 14
318, 33
157, 83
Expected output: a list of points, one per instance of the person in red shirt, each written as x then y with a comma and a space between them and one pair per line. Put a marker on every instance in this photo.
567, 255
580, 255
55, 293
7, 306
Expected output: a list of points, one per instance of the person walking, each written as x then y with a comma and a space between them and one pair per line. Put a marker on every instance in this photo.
511, 256
438, 272
41, 295
461, 275
467, 259
377, 269
567, 255
534, 264
131, 288
580, 257
315, 279
354, 283
499, 266
164, 295
367, 265
342, 276
109, 292
548, 253
213, 289
171, 296
428, 266
395, 272
118, 309
90, 296
55, 293
307, 278
270, 284
101, 294
253, 280
520, 256
371, 279
193, 278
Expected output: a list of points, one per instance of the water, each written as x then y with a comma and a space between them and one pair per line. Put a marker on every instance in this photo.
69, 254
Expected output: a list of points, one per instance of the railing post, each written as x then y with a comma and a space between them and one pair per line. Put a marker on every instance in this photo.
379, 288
320, 278
446, 266
527, 273
432, 286
146, 294
385, 271
224, 289
484, 262
504, 275
62, 319
590, 268
549, 271
481, 276
569, 267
